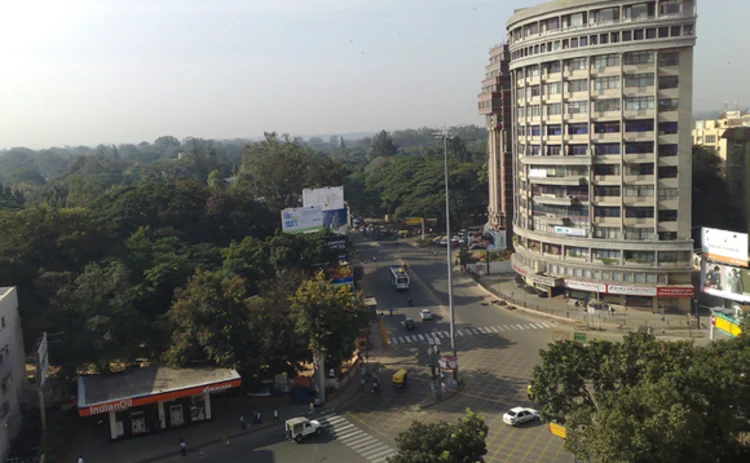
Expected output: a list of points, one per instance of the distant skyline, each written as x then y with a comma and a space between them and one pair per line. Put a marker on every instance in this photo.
85, 72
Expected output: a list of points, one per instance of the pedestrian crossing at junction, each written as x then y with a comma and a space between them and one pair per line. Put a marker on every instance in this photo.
368, 447
436, 337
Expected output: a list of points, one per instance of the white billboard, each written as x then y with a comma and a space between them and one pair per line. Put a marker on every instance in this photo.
726, 281
329, 198
302, 219
724, 246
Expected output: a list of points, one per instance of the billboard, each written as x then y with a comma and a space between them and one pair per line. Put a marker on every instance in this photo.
488, 240
341, 275
413, 221
724, 246
331, 197
338, 244
335, 220
302, 219
726, 281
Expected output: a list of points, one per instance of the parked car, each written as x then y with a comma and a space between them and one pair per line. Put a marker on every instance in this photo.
425, 314
519, 415
444, 242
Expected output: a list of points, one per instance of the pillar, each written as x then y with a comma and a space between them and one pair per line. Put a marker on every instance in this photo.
207, 402
114, 431
162, 418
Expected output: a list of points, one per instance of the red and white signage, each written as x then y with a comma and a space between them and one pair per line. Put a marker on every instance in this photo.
675, 291
518, 269
586, 286
632, 290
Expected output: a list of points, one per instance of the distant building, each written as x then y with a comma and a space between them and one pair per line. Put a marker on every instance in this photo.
736, 142
494, 104
12, 368
709, 133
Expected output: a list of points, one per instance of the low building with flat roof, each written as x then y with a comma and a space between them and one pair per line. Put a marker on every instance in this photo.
149, 399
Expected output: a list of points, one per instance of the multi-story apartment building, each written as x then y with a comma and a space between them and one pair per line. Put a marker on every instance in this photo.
709, 132
602, 100
12, 368
494, 104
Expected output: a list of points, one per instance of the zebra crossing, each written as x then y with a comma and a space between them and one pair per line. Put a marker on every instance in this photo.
436, 337
368, 447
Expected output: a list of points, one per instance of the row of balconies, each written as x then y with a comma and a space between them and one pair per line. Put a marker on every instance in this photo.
616, 137
601, 116
597, 94
594, 71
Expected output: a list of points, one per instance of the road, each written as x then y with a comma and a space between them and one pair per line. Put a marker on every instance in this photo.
497, 349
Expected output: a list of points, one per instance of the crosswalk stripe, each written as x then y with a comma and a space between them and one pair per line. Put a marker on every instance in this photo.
381, 455
345, 428
363, 443
359, 439
458, 332
476, 331
494, 329
345, 437
334, 419
374, 450
538, 325
513, 327
391, 341
437, 341
412, 338
421, 337
376, 444
500, 328
521, 327
383, 458
483, 330
447, 334
547, 325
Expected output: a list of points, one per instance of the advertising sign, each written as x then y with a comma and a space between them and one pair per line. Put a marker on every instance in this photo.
489, 240
331, 197
338, 244
675, 291
571, 231
413, 221
335, 220
341, 275
585, 286
302, 219
544, 280
725, 324
726, 281
632, 290
724, 246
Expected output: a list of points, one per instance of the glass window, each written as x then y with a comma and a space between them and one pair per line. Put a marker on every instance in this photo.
639, 234
577, 64
554, 89
577, 86
667, 128
640, 191
640, 80
639, 57
667, 236
532, 71
639, 169
575, 20
609, 190
554, 129
650, 278
639, 11
668, 104
651, 33
606, 169
667, 193
663, 32
607, 127
574, 43
639, 212
606, 253
615, 37
646, 125
553, 67
577, 150
667, 171
606, 148
578, 107
668, 215
605, 15
574, 251
594, 39
669, 82
709, 138
639, 148
583, 41
670, 7
602, 61
607, 233
627, 36
639, 103
604, 83
674, 256
553, 150
535, 110
534, 150
669, 58
554, 109
606, 211
638, 34
535, 130
578, 129
667, 150
604, 39
676, 31
612, 104
552, 24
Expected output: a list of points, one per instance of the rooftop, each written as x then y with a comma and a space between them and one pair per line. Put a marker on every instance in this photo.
141, 382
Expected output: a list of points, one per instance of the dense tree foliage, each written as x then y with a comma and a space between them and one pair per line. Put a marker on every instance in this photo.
463, 442
710, 207
644, 400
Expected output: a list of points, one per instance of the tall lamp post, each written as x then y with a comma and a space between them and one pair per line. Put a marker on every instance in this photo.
445, 135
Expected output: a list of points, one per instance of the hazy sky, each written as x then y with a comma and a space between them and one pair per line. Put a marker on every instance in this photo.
114, 71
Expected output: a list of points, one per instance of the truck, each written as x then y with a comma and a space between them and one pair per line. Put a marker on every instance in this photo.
299, 428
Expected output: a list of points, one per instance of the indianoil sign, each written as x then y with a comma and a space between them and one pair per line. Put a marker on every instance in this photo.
124, 404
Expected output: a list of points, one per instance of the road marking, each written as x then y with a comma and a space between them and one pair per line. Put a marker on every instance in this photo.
383, 455
538, 325
390, 341
447, 334
494, 329
335, 419
521, 327
421, 337
513, 327
364, 442
437, 341
373, 451
458, 332
476, 331
383, 459
347, 436
401, 339
547, 325
483, 330
346, 428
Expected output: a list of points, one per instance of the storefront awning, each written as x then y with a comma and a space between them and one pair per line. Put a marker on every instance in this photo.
120, 391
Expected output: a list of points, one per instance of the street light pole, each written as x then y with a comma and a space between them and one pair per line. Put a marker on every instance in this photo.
445, 134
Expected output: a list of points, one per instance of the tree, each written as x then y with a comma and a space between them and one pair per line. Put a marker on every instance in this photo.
216, 180
463, 442
382, 145
710, 207
328, 318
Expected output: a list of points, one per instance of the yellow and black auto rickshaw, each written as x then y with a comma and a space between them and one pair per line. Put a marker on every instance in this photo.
399, 378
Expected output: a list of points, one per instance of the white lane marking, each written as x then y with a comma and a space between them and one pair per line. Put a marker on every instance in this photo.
374, 450
345, 437
437, 341
421, 338
382, 455
521, 327
363, 443
458, 332
513, 327
383, 458
482, 330
537, 326
447, 334
494, 329
343, 429
500, 328
476, 330
334, 419
546, 325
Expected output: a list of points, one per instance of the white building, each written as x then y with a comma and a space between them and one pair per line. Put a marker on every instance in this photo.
12, 368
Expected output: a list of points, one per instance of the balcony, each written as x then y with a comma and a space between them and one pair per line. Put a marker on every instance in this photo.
556, 160
639, 157
639, 179
557, 200
608, 137
606, 93
607, 221
669, 139
607, 179
639, 113
607, 201
606, 115
632, 221
630, 92
568, 180
551, 219
643, 201
638, 136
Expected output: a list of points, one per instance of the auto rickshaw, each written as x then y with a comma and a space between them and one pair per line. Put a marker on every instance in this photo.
399, 378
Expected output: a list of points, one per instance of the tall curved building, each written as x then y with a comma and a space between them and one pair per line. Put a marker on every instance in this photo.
601, 109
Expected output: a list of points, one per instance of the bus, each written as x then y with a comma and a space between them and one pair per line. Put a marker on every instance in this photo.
399, 278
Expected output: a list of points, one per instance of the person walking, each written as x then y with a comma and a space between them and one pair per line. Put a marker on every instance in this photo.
183, 447
80, 459
226, 438
243, 425
275, 416
258, 418
312, 408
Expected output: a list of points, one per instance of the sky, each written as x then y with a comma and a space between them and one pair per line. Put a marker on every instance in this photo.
124, 71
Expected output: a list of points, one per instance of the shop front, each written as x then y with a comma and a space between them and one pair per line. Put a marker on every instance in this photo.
550, 285
670, 298
151, 399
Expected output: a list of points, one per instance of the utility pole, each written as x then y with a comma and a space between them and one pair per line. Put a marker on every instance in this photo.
445, 135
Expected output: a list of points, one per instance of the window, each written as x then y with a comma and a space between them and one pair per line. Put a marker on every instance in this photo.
583, 41
553, 67
554, 129
639, 57
651, 33
603, 61
604, 39
573, 251
578, 107
534, 150
607, 127
710, 138
638, 34
639, 234
668, 171
577, 64
607, 169
615, 37
533, 91
606, 254
577, 150
627, 36
604, 83
532, 71
668, 82
663, 32
554, 89
605, 15
689, 29
667, 193
606, 148
535, 130
640, 257
669, 58
639, 103
639, 169
667, 150
612, 104
639, 11
553, 150
640, 191
607, 233
676, 31
594, 39
646, 125
578, 129
667, 128
534, 110
670, 7
575, 20
668, 236
607, 191
554, 109
668, 104
674, 256
606, 211
668, 215
577, 86
574, 43
552, 24
639, 212
640, 80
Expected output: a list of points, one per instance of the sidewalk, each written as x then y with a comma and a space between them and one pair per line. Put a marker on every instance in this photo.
624, 319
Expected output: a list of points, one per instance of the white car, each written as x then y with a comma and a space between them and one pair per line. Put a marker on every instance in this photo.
444, 242
425, 314
518, 415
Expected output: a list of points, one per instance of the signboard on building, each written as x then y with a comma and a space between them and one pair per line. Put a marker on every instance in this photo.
649, 291
341, 275
724, 246
544, 280
570, 231
725, 324
488, 239
726, 281
413, 221
328, 197
675, 291
585, 286
338, 244
538, 173
302, 219
335, 220
629, 290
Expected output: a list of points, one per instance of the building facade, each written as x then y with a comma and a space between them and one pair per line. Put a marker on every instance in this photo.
494, 104
12, 368
710, 133
602, 103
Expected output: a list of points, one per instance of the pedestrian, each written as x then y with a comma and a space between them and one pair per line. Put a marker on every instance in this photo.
312, 408
367, 357
243, 425
275, 416
226, 438
183, 447
80, 459
258, 418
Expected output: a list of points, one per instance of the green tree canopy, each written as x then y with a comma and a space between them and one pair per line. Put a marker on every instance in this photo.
382, 145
